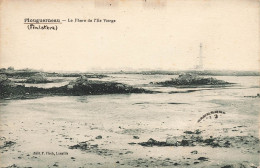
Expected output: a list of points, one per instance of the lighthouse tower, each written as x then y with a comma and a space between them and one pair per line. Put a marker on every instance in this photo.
199, 66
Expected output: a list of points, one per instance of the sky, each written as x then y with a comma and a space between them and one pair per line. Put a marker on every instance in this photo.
155, 35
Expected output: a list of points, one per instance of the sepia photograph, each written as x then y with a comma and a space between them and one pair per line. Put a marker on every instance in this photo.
129, 83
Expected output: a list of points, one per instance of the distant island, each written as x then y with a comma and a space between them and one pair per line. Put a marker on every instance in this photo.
190, 80
202, 73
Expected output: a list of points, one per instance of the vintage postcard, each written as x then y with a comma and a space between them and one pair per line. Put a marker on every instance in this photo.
129, 83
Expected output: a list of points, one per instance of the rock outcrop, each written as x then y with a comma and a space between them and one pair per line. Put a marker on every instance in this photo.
192, 79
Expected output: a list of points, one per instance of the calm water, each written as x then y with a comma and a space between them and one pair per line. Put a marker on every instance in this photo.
178, 109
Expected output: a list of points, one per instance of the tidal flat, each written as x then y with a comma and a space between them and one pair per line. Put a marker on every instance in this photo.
155, 129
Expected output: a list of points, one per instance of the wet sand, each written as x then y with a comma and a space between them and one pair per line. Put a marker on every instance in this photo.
36, 134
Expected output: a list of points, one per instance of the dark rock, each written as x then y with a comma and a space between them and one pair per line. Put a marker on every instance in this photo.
152, 142
56, 165
128, 152
203, 158
195, 140
208, 141
176, 164
81, 145
191, 132
227, 144
188, 132
194, 152
227, 166
7, 144
185, 142
83, 86
99, 137
136, 137
132, 143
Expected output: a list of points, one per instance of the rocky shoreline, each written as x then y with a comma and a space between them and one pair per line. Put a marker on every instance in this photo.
81, 86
